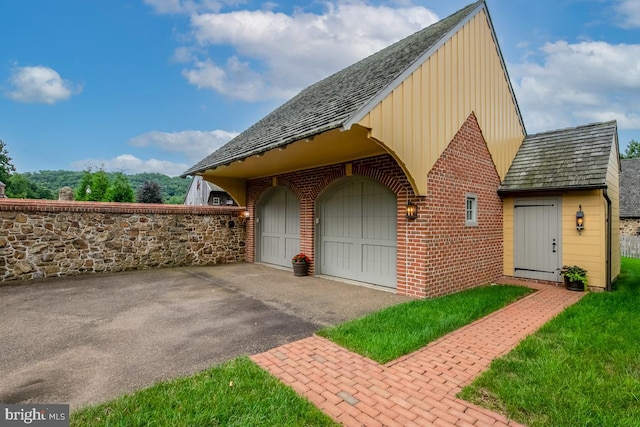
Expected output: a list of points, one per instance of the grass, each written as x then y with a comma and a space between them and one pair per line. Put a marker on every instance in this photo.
393, 332
580, 369
237, 393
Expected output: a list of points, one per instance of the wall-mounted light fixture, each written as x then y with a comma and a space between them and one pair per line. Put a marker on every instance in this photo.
245, 214
412, 210
580, 219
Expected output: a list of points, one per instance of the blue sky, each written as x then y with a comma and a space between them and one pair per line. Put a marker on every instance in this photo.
156, 85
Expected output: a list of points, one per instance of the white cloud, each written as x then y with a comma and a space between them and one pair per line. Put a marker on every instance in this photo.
40, 84
194, 144
130, 164
630, 11
579, 83
276, 55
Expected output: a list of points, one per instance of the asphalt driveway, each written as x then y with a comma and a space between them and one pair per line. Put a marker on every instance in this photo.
88, 339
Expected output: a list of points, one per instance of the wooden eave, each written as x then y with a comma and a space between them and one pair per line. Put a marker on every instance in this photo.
328, 148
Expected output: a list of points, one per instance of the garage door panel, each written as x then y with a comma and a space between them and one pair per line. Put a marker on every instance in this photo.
374, 261
339, 217
292, 248
379, 216
340, 259
269, 248
358, 233
279, 227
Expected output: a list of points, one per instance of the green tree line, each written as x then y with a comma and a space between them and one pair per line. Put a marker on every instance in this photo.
104, 186
172, 189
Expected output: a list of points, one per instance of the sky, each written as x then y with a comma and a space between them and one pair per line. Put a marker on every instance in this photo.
157, 85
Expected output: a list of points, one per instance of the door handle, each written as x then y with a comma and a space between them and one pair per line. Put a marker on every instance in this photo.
554, 246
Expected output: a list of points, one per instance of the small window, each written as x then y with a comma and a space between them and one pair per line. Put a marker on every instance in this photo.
471, 210
216, 201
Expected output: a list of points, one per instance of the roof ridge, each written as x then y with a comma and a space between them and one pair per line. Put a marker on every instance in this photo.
570, 128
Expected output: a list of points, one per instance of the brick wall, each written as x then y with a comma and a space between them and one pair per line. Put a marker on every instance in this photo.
436, 254
460, 256
53, 238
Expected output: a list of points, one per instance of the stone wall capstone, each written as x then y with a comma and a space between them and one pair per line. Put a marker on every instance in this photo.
41, 238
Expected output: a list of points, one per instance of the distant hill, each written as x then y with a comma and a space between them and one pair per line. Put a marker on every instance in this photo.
173, 189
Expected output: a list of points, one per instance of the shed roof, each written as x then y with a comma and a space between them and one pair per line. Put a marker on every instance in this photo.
630, 188
330, 103
573, 158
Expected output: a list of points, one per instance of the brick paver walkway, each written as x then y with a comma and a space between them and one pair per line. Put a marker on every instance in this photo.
418, 389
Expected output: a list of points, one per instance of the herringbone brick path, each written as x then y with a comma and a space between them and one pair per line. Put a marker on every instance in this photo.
418, 389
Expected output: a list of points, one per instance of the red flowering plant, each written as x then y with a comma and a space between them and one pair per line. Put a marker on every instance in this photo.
300, 258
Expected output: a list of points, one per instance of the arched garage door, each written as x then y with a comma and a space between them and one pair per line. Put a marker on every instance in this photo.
278, 227
357, 232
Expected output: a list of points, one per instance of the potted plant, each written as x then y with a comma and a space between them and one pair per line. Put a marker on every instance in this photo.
575, 278
300, 264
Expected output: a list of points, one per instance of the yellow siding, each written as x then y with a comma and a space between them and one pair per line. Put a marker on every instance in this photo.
235, 187
508, 204
586, 249
418, 119
613, 190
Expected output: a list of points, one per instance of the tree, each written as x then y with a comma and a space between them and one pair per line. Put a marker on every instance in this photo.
632, 151
175, 200
84, 188
6, 167
93, 186
149, 193
99, 185
120, 190
20, 187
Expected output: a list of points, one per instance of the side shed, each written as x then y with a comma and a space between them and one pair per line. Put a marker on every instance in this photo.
556, 177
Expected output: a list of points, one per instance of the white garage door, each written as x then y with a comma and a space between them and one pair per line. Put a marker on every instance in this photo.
357, 233
278, 227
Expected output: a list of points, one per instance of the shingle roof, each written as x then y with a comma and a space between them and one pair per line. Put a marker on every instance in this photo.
331, 102
630, 188
562, 159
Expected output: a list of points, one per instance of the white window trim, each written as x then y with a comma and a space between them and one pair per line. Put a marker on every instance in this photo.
471, 222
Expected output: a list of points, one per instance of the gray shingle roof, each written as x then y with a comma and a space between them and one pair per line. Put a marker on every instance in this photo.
562, 159
630, 188
329, 103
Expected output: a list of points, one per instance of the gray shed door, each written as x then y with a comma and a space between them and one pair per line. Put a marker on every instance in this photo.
537, 233
278, 227
357, 233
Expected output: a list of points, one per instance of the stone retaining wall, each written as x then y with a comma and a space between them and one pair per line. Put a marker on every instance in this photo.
42, 238
630, 226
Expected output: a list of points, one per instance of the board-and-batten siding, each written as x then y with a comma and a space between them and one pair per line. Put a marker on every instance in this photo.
418, 119
613, 190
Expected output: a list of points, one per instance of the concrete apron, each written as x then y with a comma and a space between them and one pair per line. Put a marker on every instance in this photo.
88, 339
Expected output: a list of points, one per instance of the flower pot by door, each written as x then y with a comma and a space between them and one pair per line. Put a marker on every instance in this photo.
573, 285
300, 269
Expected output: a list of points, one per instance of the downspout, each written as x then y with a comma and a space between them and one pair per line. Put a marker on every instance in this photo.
608, 238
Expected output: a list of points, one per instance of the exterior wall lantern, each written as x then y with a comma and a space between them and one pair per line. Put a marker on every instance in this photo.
412, 210
580, 219
245, 214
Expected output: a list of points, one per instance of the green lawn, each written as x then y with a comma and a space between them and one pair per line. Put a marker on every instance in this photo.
393, 332
580, 369
238, 393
